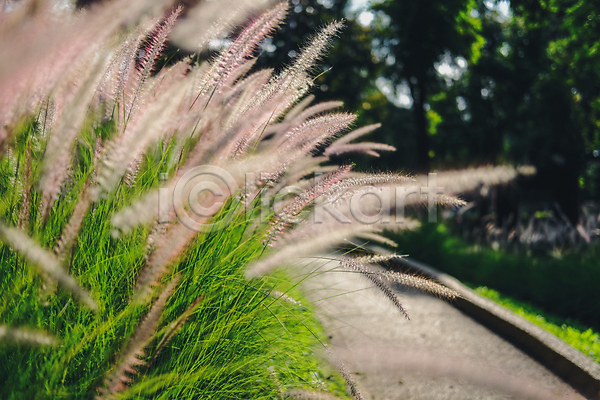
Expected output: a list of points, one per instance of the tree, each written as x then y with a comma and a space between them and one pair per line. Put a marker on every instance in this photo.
347, 72
415, 35
534, 98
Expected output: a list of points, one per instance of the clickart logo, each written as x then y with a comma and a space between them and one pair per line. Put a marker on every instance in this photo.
198, 198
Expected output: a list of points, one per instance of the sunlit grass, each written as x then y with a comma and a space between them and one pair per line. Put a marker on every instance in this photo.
239, 342
585, 340
566, 286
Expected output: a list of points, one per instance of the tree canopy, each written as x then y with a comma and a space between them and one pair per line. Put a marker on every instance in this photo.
481, 82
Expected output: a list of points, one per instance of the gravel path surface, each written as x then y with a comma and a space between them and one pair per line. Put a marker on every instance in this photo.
437, 354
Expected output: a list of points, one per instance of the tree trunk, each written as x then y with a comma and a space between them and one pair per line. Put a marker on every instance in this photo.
418, 93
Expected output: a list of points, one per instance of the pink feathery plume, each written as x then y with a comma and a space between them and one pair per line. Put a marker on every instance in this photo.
293, 83
245, 90
57, 158
246, 43
316, 131
289, 123
69, 233
168, 76
171, 245
25, 207
149, 127
208, 20
310, 240
368, 148
306, 198
153, 48
111, 91
298, 108
343, 145
42, 50
355, 134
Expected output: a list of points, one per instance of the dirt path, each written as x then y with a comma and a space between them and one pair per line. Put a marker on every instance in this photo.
382, 350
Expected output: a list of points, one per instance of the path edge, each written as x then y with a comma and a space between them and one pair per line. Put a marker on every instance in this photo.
571, 365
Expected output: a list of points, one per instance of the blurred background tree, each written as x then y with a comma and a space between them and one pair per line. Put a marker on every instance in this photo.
457, 83
468, 82
415, 37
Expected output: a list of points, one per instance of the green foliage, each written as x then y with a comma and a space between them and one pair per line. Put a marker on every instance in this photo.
531, 98
530, 92
348, 71
239, 341
413, 37
565, 286
417, 34
585, 340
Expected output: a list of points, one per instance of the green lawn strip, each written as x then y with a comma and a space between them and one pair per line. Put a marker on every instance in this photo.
585, 340
566, 284
530, 285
